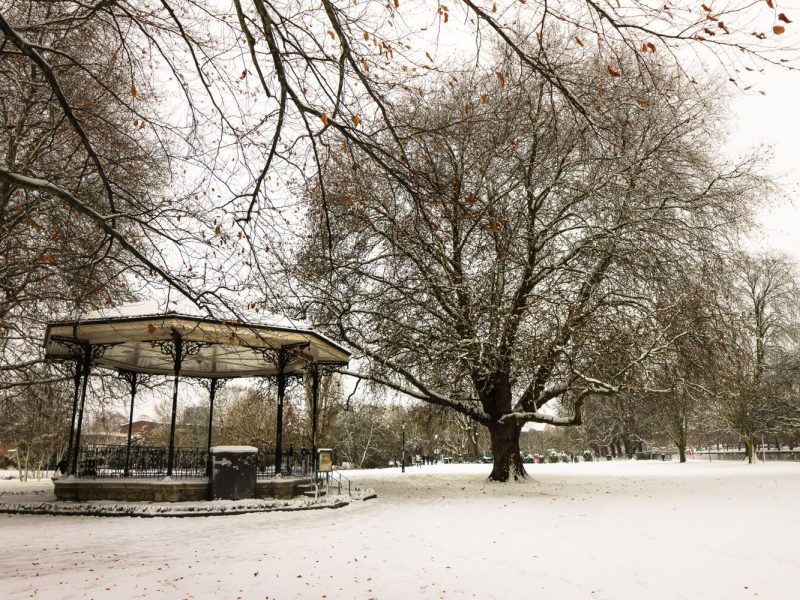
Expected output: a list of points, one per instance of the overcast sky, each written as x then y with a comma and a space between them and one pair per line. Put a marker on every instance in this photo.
773, 121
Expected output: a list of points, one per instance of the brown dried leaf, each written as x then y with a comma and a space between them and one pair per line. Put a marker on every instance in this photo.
484, 98
784, 18
133, 91
151, 329
770, 4
501, 76
578, 41
652, 46
356, 120
324, 118
705, 8
612, 72
778, 29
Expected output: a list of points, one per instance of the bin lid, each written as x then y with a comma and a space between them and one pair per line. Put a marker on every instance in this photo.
233, 450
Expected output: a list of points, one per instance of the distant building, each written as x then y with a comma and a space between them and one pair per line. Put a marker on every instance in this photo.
141, 428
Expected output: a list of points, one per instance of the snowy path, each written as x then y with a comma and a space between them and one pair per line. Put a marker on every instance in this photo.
589, 530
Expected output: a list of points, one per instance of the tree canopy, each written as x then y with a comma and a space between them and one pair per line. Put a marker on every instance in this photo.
524, 256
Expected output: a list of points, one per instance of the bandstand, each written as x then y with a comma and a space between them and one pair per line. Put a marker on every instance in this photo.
150, 339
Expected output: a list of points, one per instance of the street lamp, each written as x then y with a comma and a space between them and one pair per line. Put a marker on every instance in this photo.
403, 464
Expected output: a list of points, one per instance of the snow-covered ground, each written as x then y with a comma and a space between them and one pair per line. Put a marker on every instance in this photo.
589, 530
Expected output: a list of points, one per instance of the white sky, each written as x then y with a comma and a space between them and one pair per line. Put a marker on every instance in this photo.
773, 121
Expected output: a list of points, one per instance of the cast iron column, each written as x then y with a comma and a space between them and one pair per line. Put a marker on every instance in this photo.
133, 380
87, 365
279, 424
77, 379
314, 403
212, 392
403, 458
177, 345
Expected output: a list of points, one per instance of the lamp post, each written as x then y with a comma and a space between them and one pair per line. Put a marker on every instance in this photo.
403, 463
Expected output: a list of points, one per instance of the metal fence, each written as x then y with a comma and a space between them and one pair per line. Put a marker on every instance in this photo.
296, 463
108, 460
768, 455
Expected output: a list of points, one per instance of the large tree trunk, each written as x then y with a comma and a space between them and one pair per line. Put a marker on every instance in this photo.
681, 444
505, 450
750, 449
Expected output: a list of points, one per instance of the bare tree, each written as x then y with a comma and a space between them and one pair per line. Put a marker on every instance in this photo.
523, 249
760, 340
684, 378
55, 261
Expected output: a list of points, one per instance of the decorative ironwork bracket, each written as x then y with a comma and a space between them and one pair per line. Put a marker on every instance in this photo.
276, 355
130, 376
188, 347
206, 383
78, 347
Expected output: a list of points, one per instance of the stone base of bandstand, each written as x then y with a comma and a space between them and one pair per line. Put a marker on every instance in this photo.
166, 490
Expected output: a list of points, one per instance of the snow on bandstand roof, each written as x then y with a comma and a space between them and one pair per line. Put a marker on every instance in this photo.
132, 338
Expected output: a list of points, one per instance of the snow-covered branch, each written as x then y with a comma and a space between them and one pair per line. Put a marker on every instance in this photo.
466, 408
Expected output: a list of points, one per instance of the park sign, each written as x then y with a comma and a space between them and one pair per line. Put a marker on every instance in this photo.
325, 460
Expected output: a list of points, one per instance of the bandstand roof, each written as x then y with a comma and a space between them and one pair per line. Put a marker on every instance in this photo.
132, 338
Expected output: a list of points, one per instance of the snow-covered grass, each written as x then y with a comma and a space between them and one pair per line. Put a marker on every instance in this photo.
588, 530
8, 474
41, 502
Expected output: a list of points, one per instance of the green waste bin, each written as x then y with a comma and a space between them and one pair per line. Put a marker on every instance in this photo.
233, 472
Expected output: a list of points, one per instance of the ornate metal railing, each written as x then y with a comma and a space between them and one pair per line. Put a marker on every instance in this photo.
293, 462
108, 460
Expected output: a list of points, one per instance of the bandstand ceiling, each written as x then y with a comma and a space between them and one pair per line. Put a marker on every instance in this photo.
137, 337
